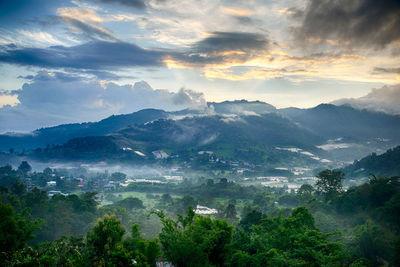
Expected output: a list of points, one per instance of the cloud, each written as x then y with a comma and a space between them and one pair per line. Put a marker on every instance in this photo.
228, 41
7, 99
85, 22
237, 12
363, 23
217, 48
385, 99
387, 70
221, 47
53, 98
138, 4
97, 55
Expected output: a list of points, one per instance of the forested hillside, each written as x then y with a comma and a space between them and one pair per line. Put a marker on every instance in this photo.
318, 226
387, 163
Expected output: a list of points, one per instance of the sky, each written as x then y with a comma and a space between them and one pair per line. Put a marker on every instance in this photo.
65, 61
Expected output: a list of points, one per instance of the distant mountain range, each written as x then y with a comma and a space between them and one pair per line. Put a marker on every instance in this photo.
62, 133
332, 122
236, 129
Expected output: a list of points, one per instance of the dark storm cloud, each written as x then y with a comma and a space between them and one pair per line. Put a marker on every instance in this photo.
216, 48
94, 55
386, 70
364, 23
139, 4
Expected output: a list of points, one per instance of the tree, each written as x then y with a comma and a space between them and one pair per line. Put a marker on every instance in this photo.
279, 241
167, 199
185, 202
118, 176
253, 217
305, 192
141, 250
102, 240
329, 182
18, 188
130, 203
195, 240
47, 172
15, 230
62, 252
24, 168
230, 211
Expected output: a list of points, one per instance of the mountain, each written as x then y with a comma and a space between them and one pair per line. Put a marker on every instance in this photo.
234, 128
246, 138
332, 122
351, 133
242, 107
62, 133
267, 129
387, 164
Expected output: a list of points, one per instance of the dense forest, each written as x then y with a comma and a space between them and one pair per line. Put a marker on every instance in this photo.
320, 225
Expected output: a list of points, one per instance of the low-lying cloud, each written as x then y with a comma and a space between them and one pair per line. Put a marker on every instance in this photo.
56, 98
385, 99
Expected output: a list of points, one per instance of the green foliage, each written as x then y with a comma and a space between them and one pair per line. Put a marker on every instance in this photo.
369, 242
67, 252
292, 241
15, 230
329, 182
195, 240
384, 164
266, 235
305, 192
130, 203
24, 168
230, 211
144, 251
288, 200
105, 236
8, 176
253, 217
118, 176
104, 246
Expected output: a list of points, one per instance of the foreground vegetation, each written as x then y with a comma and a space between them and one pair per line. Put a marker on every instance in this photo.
317, 226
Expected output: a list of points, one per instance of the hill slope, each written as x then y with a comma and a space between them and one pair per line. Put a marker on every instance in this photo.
387, 164
62, 133
332, 121
247, 138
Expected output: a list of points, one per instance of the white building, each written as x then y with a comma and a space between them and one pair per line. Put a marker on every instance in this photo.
51, 183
